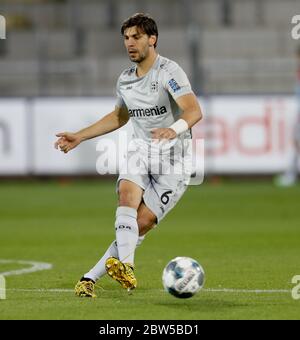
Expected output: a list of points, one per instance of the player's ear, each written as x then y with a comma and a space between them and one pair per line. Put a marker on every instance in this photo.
152, 40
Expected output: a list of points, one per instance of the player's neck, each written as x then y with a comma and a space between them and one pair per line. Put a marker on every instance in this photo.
144, 67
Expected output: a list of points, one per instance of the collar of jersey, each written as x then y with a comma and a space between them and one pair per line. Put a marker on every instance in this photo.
151, 68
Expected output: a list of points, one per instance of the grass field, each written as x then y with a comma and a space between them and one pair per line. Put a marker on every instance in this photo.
245, 235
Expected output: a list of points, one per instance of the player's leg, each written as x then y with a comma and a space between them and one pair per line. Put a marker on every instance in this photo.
129, 189
127, 230
146, 220
123, 272
138, 219
127, 234
123, 248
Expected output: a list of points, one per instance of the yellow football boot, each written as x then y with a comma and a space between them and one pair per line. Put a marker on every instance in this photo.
85, 288
121, 272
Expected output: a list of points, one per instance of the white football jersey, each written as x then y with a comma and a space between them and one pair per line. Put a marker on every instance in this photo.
151, 99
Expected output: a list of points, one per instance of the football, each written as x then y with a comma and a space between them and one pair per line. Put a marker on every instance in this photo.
183, 277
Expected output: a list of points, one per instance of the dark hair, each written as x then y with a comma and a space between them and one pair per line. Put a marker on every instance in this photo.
143, 22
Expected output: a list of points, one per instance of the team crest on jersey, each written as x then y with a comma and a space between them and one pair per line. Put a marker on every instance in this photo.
154, 86
129, 71
174, 85
132, 70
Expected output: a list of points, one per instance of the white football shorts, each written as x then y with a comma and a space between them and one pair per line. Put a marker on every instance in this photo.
163, 179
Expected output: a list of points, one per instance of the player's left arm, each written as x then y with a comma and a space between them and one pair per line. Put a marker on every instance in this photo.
191, 114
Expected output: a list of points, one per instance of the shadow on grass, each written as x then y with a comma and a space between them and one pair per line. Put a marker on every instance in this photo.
160, 298
201, 304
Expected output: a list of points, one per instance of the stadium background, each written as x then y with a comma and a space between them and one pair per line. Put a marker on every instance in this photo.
58, 67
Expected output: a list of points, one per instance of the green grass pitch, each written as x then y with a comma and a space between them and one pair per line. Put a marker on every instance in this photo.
245, 235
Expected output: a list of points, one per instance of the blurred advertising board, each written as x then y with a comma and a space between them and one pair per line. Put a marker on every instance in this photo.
14, 153
242, 134
247, 134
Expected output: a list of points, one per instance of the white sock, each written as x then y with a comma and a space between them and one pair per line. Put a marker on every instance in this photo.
99, 269
127, 233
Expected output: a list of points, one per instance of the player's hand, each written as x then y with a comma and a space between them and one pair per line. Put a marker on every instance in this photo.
163, 133
67, 141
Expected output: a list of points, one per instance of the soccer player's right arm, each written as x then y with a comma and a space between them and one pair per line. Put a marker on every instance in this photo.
111, 122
